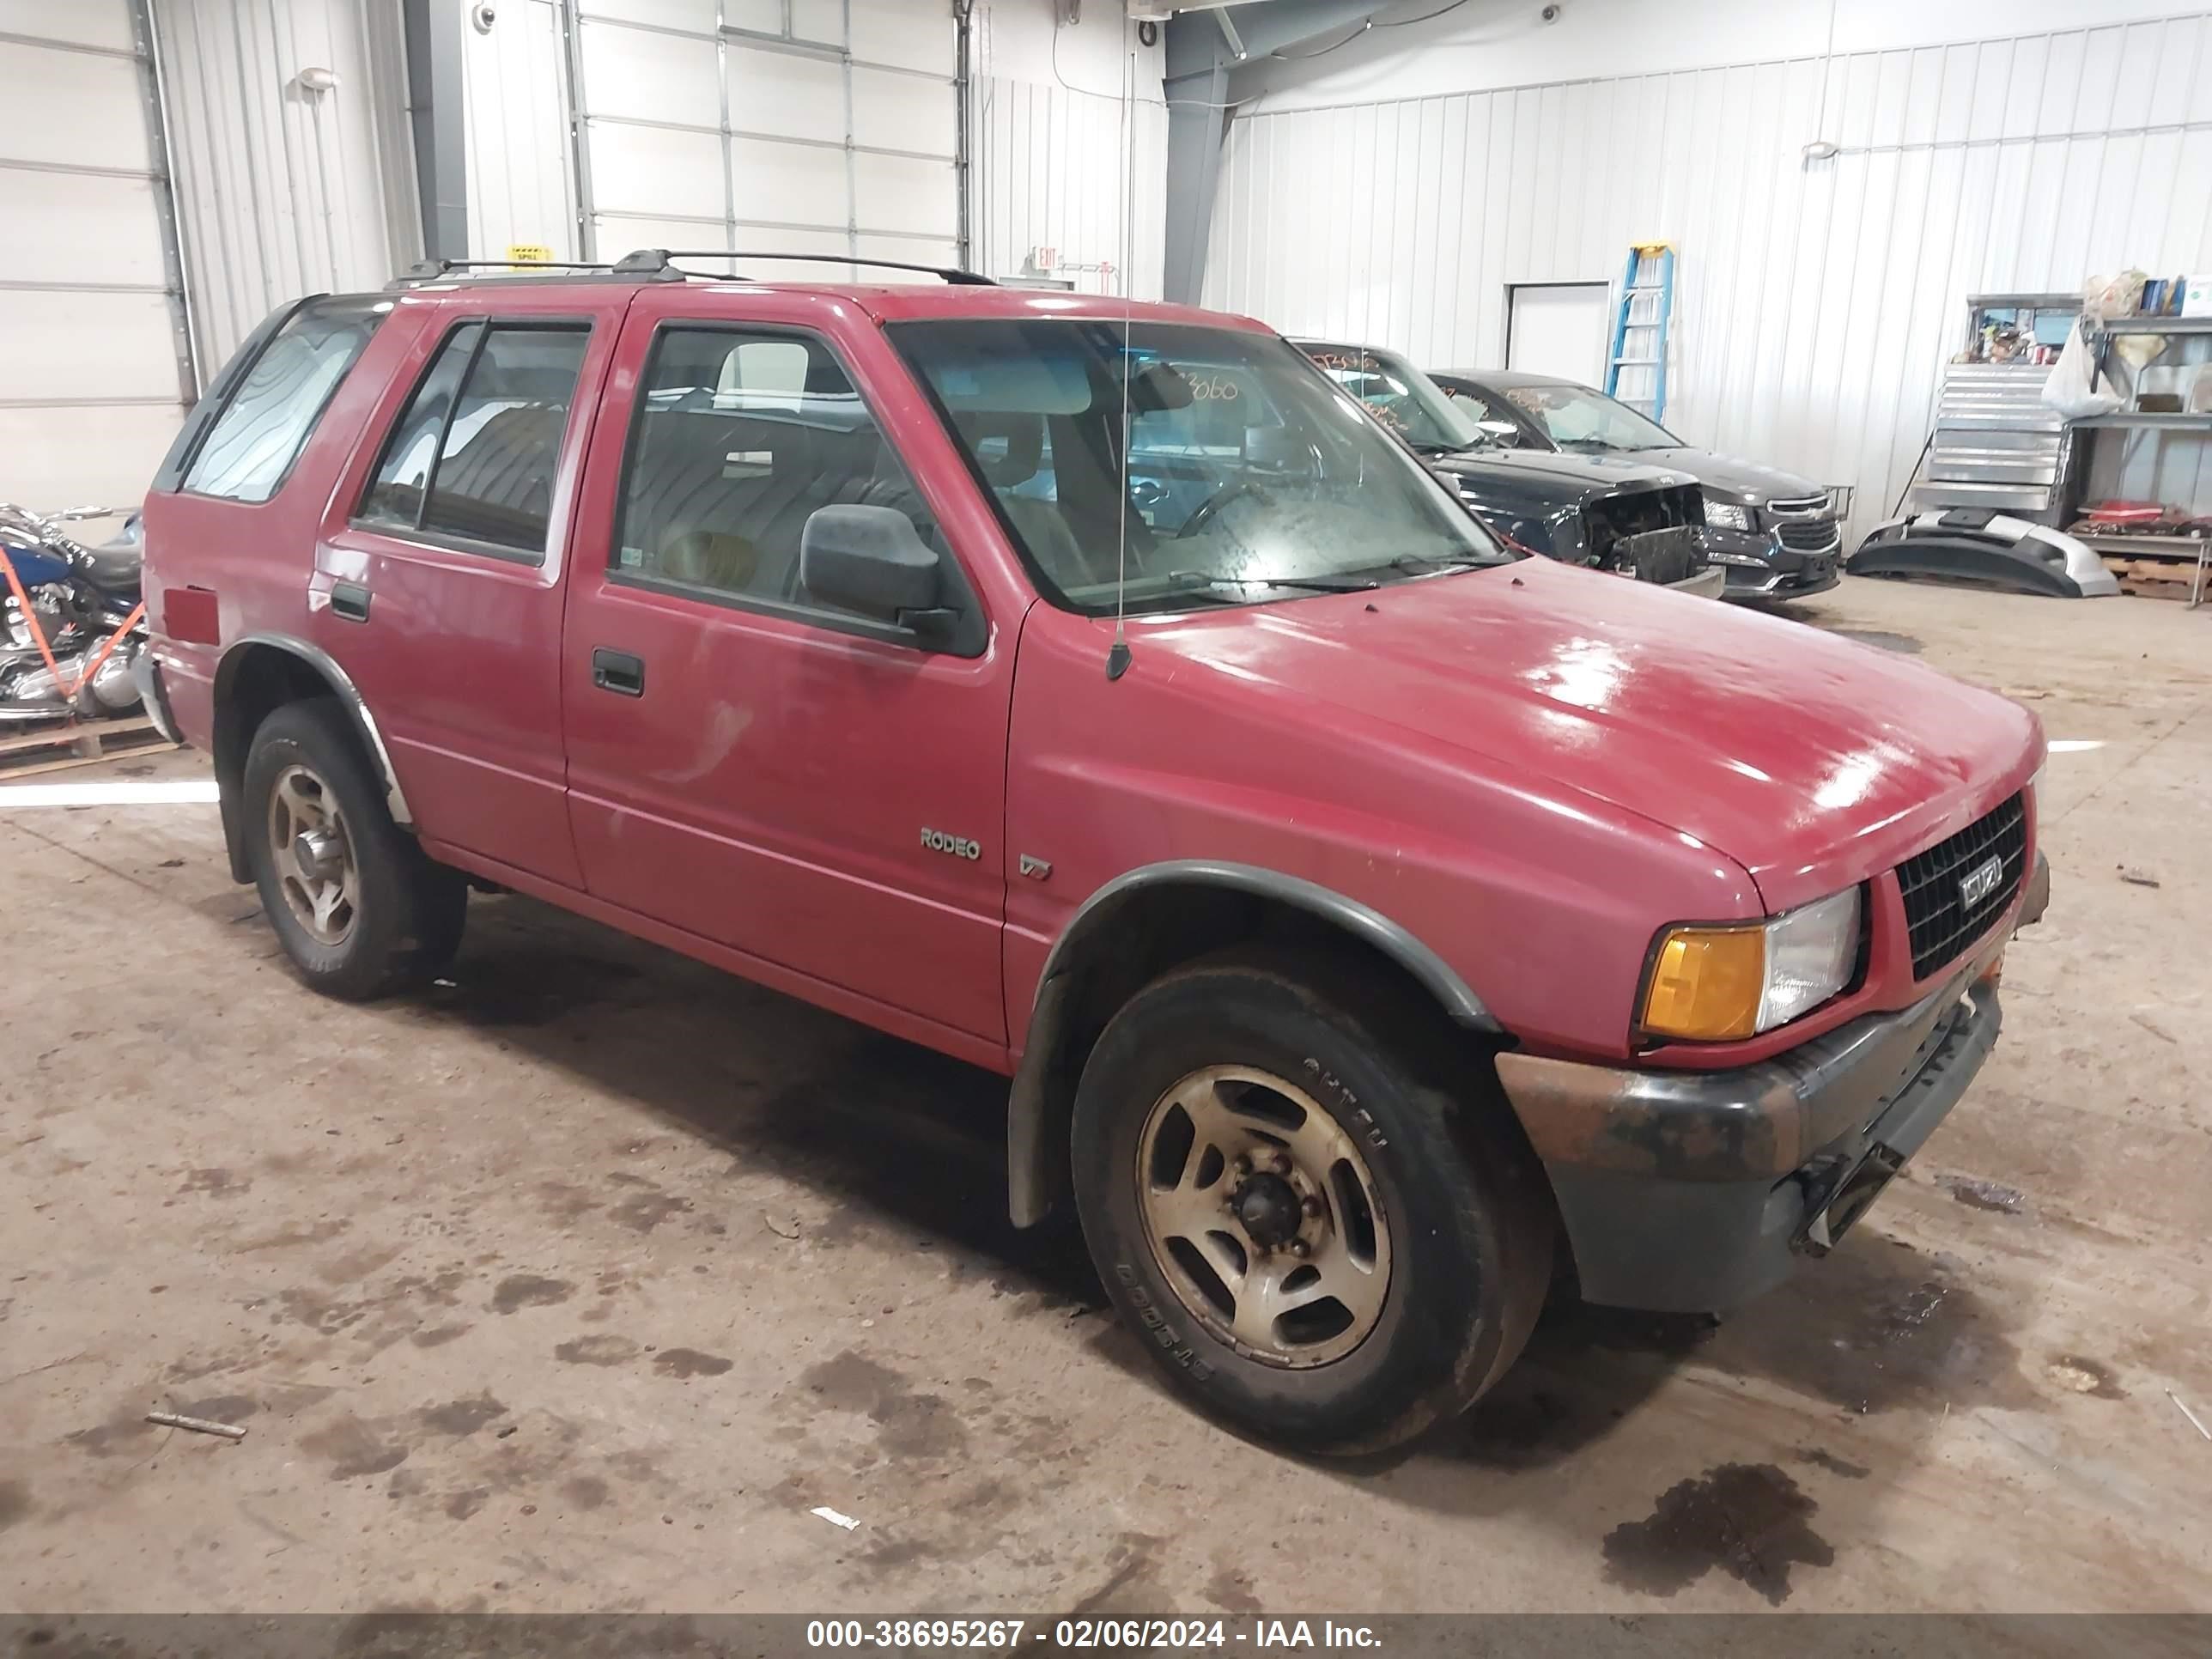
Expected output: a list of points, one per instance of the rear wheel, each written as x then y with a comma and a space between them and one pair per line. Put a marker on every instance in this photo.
358, 907
1317, 1242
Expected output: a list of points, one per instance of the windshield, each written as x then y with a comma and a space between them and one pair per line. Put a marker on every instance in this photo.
1243, 477
1578, 417
1407, 400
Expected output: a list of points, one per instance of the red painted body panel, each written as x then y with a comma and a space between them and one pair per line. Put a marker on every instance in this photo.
460, 658
976, 1051
1532, 769
768, 790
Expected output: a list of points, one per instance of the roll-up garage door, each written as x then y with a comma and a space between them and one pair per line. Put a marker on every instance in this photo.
93, 371
800, 126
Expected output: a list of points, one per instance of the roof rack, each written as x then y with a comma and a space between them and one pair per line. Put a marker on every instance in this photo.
432, 270
652, 261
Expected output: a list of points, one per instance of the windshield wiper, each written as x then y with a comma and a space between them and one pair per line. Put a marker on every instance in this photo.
1420, 564
1190, 579
1428, 447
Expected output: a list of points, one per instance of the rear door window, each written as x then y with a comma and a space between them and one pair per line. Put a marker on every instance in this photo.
248, 452
475, 454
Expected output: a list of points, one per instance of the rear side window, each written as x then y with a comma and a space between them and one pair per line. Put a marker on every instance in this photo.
473, 455
249, 451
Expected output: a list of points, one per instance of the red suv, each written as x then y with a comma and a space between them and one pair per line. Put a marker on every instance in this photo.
1377, 926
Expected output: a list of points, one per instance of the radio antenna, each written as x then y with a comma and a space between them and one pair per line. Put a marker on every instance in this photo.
1117, 658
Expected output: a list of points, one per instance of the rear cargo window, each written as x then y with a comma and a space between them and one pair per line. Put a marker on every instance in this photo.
474, 455
249, 451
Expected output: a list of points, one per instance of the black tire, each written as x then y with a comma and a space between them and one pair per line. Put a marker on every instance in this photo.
409, 912
1470, 1221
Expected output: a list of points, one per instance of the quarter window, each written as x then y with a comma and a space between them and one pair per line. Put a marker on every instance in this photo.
740, 437
474, 454
249, 452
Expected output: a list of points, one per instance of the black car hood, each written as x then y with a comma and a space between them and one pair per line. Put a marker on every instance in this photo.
1558, 476
1725, 476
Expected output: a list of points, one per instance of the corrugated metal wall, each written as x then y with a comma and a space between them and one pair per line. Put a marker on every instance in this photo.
280, 187
1051, 171
89, 300
780, 125
1816, 302
515, 132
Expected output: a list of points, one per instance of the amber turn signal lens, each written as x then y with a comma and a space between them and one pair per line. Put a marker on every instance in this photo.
1706, 984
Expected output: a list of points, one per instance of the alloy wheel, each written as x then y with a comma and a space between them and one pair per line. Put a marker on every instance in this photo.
312, 855
1263, 1217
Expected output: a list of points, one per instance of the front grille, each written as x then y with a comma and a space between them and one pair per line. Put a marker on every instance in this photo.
1805, 506
1809, 535
1939, 921
1805, 524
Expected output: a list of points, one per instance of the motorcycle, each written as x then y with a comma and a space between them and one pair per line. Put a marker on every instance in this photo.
72, 627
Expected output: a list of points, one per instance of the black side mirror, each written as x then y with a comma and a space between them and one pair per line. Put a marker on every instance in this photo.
872, 561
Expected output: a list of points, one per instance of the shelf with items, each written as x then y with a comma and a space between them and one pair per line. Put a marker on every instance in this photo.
2146, 542
2150, 326
2166, 420
2141, 459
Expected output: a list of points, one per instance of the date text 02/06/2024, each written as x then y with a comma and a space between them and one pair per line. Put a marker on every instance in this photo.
1002, 1634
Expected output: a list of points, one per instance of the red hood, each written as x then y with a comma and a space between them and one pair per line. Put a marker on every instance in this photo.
1812, 761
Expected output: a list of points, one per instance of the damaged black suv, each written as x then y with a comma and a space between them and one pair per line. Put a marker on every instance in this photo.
1595, 510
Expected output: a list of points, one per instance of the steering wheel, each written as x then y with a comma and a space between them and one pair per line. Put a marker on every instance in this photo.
1210, 509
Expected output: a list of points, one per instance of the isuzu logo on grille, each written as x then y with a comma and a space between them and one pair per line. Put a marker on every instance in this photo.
1979, 882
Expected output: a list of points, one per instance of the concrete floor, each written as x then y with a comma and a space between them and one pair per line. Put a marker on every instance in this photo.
578, 1284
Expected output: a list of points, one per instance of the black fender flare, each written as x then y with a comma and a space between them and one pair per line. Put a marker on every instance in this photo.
326, 668
1034, 1161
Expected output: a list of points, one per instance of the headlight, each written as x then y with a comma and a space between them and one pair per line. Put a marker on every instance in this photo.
1721, 983
1727, 515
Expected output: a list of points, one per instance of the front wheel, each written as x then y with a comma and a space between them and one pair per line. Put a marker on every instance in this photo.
1316, 1241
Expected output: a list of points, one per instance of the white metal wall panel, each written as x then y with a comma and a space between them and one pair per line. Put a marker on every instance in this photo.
70, 107
516, 134
737, 123
894, 111
1053, 171
81, 22
93, 387
920, 33
280, 187
637, 75
784, 93
68, 227
1815, 303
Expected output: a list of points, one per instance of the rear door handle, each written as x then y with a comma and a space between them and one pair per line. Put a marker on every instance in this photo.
617, 671
350, 600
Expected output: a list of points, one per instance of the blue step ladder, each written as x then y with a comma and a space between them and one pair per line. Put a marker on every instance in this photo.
1639, 326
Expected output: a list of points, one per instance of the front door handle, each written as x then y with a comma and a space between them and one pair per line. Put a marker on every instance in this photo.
617, 671
350, 600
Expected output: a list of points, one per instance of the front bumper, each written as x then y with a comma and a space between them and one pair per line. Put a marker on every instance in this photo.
1695, 1191
1760, 567
153, 694
1708, 584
